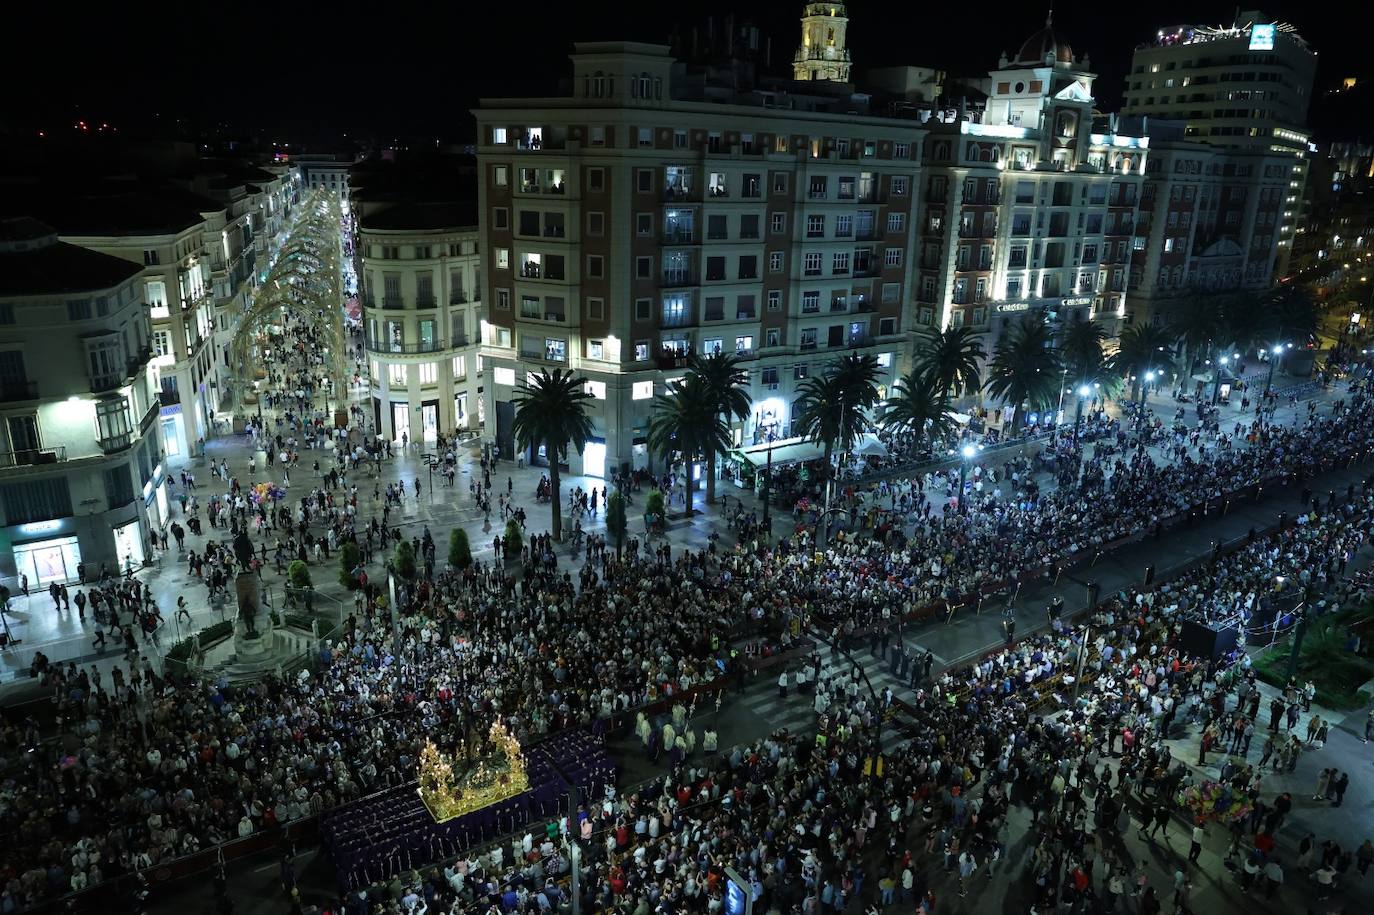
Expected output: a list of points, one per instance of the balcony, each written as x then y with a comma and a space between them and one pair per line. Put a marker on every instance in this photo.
858, 340
680, 236
116, 443
675, 193
168, 398
30, 456
11, 391
393, 301
457, 298
404, 349
424, 301
671, 360
679, 278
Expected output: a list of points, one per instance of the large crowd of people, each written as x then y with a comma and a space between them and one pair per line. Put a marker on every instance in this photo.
148, 769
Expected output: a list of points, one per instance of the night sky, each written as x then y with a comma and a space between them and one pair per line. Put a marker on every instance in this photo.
414, 70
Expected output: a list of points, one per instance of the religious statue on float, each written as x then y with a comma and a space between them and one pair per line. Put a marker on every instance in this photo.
493, 774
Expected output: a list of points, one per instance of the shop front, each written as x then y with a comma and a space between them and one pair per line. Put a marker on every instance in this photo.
45, 551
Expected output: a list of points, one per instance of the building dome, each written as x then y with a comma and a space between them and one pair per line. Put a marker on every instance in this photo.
1045, 42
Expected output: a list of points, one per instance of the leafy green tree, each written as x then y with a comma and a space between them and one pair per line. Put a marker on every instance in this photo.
725, 386
616, 522
514, 539
654, 504
685, 421
551, 410
403, 560
1025, 368
459, 550
298, 574
350, 556
1142, 348
919, 407
952, 360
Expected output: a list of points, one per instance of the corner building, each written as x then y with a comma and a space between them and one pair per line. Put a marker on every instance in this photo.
1029, 206
81, 460
630, 224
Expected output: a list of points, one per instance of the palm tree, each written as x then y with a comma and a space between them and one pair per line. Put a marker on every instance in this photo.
1083, 357
551, 410
1289, 314
1025, 368
685, 420
832, 410
1142, 348
950, 358
1198, 326
920, 408
726, 386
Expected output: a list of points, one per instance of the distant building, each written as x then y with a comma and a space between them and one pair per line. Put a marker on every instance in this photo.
81, 462
1243, 86
421, 286
1028, 205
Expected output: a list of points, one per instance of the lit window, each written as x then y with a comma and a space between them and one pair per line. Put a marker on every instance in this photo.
498, 135
429, 372
642, 390
505, 376
459, 366
598, 389
396, 374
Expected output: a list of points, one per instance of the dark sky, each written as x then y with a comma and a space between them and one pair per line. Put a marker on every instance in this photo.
413, 68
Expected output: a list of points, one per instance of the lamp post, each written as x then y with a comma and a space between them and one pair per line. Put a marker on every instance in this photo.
1216, 386
1084, 392
1144, 383
1274, 355
968, 452
768, 483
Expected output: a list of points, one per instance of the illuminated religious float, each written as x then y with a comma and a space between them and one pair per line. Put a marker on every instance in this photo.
493, 776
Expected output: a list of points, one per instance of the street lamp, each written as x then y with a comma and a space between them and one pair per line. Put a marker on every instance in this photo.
1216, 387
1145, 381
969, 452
1084, 392
1274, 355
768, 484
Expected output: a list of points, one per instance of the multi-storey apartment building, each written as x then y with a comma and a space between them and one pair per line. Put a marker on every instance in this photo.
1208, 221
1028, 207
324, 172
630, 224
421, 282
1243, 86
80, 451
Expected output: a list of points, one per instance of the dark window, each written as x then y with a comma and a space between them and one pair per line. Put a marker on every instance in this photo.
119, 486
36, 500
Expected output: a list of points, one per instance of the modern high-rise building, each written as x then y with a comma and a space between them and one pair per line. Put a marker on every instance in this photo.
81, 459
1243, 86
1028, 204
633, 223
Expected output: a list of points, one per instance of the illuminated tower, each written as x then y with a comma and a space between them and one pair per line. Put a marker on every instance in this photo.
822, 54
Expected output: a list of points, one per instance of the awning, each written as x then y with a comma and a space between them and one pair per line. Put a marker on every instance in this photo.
787, 451
872, 447
960, 418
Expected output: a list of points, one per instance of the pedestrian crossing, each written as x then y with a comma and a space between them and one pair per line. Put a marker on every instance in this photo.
796, 710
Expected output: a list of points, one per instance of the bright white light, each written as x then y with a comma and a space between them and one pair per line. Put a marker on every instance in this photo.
1149, 376
969, 451
1278, 350
1084, 391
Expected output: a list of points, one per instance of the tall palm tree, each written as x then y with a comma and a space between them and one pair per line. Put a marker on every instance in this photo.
1198, 326
1142, 348
726, 386
551, 410
1025, 368
1083, 357
1289, 314
686, 421
918, 407
951, 358
833, 409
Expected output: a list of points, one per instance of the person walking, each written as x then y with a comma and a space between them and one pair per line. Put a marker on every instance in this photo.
1195, 849
1323, 780
1340, 786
